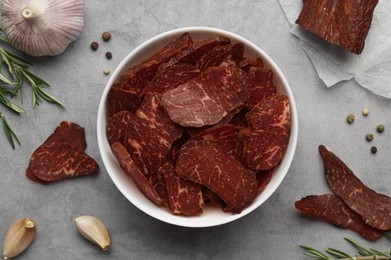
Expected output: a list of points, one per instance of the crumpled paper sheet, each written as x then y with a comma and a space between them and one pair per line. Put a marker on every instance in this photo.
371, 69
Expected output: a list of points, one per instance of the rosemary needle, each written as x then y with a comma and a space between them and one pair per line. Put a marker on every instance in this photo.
14, 73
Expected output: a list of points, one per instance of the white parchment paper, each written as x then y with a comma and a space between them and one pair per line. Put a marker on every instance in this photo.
371, 69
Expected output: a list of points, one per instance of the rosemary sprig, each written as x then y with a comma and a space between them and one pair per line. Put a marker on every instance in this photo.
14, 73
364, 253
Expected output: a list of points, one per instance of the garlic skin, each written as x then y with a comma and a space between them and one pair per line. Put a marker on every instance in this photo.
42, 27
94, 230
19, 236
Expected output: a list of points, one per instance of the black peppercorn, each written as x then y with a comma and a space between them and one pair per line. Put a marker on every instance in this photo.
373, 149
109, 55
94, 46
106, 36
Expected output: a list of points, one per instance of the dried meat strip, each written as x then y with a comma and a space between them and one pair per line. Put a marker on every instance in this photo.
56, 161
218, 55
259, 86
185, 197
61, 156
150, 135
207, 99
208, 164
263, 179
116, 127
247, 63
373, 207
266, 139
332, 209
341, 22
131, 169
125, 93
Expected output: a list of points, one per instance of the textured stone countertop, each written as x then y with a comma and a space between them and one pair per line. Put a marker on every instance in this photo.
273, 231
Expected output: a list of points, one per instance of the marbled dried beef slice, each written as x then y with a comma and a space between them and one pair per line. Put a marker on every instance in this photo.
332, 209
247, 63
185, 197
266, 139
125, 93
344, 23
207, 99
373, 207
217, 55
206, 163
134, 173
263, 179
150, 135
259, 86
56, 161
116, 126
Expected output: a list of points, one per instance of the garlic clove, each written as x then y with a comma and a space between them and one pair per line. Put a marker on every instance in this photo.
94, 230
19, 236
42, 27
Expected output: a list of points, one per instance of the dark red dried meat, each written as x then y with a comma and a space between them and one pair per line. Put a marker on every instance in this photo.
170, 77
61, 156
116, 127
56, 161
332, 209
150, 135
207, 99
185, 197
266, 139
259, 85
131, 169
247, 63
263, 179
217, 55
125, 94
373, 207
226, 136
341, 22
206, 163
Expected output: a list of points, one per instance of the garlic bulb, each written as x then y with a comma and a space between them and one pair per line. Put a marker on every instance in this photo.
19, 236
94, 230
42, 27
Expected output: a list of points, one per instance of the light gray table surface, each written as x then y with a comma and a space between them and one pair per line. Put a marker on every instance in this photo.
273, 231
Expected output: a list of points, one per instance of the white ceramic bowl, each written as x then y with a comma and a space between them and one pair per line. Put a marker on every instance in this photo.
212, 216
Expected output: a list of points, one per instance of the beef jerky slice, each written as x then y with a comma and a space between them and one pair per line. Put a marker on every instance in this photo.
208, 164
150, 135
56, 161
125, 94
266, 139
47, 164
185, 197
341, 22
217, 55
263, 179
259, 86
332, 209
116, 127
247, 63
373, 207
207, 99
131, 169
226, 136
170, 77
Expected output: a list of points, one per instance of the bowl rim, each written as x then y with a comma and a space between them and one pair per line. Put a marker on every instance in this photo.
184, 221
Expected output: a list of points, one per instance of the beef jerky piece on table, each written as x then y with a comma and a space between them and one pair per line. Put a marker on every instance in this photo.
342, 22
134, 173
61, 156
150, 135
185, 197
332, 209
373, 207
207, 99
266, 139
170, 77
208, 164
259, 86
125, 94
217, 55
116, 126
